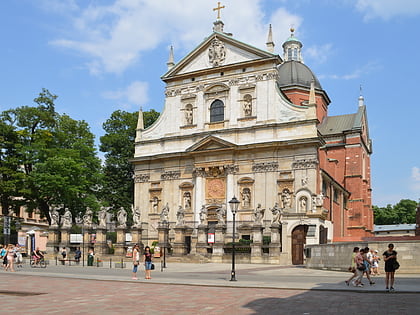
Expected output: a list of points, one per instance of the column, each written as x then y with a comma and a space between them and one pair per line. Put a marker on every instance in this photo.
179, 248
119, 246
101, 247
199, 193
230, 188
202, 244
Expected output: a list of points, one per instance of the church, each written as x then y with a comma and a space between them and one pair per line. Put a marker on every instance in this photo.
246, 123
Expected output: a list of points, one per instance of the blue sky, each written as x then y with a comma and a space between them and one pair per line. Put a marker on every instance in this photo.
102, 55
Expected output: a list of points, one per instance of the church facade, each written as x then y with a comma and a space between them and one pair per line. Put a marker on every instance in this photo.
245, 122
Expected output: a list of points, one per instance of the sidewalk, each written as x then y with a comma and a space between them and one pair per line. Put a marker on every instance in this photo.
247, 275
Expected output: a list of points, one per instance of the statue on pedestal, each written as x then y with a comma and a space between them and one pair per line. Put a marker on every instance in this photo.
102, 218
136, 217
87, 218
286, 199
55, 217
122, 218
221, 212
203, 215
277, 214
180, 214
164, 215
67, 219
258, 214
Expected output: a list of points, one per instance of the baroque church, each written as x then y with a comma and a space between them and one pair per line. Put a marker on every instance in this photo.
245, 122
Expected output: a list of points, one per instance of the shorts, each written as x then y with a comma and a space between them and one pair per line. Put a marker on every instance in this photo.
135, 268
148, 265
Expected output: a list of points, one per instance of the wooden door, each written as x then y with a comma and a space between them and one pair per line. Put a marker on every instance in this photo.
298, 244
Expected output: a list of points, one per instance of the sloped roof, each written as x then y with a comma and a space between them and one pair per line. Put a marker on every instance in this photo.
336, 124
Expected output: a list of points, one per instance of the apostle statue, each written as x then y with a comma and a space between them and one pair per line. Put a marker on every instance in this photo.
203, 215
277, 214
164, 215
87, 218
136, 217
67, 219
102, 218
286, 199
55, 216
122, 218
221, 212
180, 214
258, 214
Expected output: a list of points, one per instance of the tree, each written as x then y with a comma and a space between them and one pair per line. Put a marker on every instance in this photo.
403, 212
118, 145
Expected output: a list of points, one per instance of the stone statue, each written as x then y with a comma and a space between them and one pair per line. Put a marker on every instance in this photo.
102, 218
320, 199
122, 218
216, 53
155, 204
67, 219
258, 214
136, 217
286, 199
221, 212
203, 215
87, 218
188, 115
164, 215
247, 105
55, 216
180, 216
187, 200
302, 204
246, 197
277, 214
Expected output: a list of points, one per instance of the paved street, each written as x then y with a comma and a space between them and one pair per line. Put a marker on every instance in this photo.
200, 289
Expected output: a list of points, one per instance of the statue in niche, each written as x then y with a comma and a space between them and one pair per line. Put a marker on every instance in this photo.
67, 219
203, 215
302, 204
122, 218
247, 105
188, 114
102, 218
258, 214
155, 204
187, 200
136, 217
164, 215
221, 212
286, 199
87, 217
180, 214
246, 197
277, 214
320, 199
55, 216
217, 53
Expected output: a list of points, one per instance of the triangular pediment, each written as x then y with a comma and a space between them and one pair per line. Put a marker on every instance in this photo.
216, 51
210, 143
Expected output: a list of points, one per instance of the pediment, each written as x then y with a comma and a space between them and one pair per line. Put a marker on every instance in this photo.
217, 50
210, 143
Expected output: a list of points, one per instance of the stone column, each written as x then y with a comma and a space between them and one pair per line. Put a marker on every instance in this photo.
219, 242
179, 248
101, 247
230, 189
119, 246
275, 240
256, 245
199, 193
202, 240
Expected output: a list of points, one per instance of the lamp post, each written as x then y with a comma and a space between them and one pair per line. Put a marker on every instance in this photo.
234, 203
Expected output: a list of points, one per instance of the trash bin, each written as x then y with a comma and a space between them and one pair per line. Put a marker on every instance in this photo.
90, 260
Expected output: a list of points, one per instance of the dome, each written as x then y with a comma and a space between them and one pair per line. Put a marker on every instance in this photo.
296, 73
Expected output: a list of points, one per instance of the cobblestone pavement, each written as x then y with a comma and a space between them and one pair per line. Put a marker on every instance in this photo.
35, 294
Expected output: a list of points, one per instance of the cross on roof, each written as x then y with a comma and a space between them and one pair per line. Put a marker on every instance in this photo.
218, 9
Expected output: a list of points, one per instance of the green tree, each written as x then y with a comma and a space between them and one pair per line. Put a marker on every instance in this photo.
118, 145
403, 212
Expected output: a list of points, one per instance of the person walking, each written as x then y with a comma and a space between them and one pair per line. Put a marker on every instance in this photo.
375, 264
390, 257
136, 260
77, 255
10, 258
3, 255
64, 255
352, 267
147, 259
360, 267
367, 260
18, 255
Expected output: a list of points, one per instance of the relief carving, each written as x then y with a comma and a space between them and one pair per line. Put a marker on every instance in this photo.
304, 164
141, 178
265, 167
170, 175
217, 53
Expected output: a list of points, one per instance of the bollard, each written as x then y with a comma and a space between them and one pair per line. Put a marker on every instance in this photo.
110, 263
56, 261
122, 263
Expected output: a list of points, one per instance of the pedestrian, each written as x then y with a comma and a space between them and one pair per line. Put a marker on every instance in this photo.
10, 258
64, 255
147, 259
18, 256
136, 260
352, 267
367, 260
3, 255
360, 267
77, 255
390, 258
375, 264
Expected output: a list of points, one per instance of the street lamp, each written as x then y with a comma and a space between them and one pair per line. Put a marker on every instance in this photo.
234, 204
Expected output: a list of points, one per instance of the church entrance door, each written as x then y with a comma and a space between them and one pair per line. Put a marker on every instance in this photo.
298, 243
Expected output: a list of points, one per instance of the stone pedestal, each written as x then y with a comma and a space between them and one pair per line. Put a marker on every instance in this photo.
257, 234
163, 235
202, 244
179, 247
101, 247
53, 240
275, 240
219, 242
65, 237
136, 236
120, 245
284, 243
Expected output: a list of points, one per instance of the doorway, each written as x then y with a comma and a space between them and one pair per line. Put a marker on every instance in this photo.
298, 244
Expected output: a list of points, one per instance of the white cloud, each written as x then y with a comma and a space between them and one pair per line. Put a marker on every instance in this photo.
319, 53
415, 174
387, 9
113, 36
135, 93
357, 73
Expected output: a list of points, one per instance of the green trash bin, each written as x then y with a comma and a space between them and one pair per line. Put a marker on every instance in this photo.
90, 260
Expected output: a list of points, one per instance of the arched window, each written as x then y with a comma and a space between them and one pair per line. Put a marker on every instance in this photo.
217, 111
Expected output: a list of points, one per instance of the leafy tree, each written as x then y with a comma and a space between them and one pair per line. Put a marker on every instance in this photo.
403, 212
118, 145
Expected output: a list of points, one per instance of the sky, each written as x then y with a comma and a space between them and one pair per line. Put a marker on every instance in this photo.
99, 56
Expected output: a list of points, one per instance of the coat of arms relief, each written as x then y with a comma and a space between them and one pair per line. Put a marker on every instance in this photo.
217, 53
